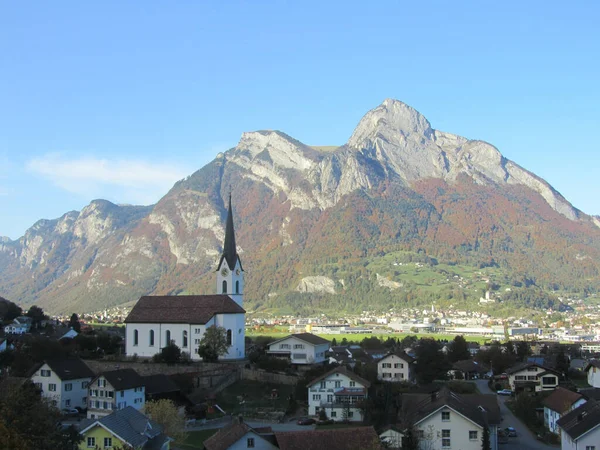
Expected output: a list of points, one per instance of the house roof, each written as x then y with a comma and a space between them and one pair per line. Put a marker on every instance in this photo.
469, 365
159, 384
130, 425
591, 393
334, 439
525, 365
581, 420
409, 359
343, 371
196, 309
306, 337
561, 400
68, 368
122, 379
229, 435
592, 363
478, 408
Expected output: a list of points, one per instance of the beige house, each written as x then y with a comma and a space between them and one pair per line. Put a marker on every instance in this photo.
395, 367
532, 377
447, 420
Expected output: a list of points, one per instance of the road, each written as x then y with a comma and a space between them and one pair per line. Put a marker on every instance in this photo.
525, 439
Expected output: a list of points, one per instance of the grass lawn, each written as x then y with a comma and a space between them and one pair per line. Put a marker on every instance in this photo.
196, 439
257, 395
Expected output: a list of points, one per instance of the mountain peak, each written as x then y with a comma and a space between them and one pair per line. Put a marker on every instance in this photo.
386, 121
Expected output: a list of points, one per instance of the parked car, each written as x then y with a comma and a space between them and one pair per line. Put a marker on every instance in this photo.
73, 412
510, 432
504, 392
306, 421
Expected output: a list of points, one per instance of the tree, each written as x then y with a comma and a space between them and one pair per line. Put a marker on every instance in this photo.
410, 441
562, 363
37, 315
74, 323
165, 413
523, 350
171, 354
459, 350
9, 310
485, 439
213, 344
431, 362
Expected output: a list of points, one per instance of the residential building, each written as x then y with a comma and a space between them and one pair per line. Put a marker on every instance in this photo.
332, 439
64, 382
532, 377
157, 321
125, 428
468, 369
446, 420
239, 435
114, 390
581, 427
559, 403
395, 367
391, 436
339, 393
19, 325
301, 348
593, 373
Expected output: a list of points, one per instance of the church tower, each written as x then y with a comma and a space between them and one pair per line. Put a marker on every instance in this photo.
230, 274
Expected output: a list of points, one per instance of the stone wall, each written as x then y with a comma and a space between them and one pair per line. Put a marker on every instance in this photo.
150, 368
268, 377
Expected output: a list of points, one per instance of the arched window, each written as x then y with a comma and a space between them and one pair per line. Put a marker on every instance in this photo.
135, 337
151, 338
228, 337
167, 338
224, 286
237, 287
184, 338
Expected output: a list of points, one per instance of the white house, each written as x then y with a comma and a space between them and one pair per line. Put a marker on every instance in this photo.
339, 392
64, 382
239, 435
301, 348
446, 420
532, 377
156, 321
391, 436
395, 367
19, 325
559, 403
580, 428
115, 390
593, 373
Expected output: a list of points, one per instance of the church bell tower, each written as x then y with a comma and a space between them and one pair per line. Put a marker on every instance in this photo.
230, 274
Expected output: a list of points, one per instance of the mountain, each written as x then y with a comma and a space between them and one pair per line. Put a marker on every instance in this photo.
395, 216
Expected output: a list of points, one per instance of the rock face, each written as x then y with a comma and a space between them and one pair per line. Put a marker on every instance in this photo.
396, 181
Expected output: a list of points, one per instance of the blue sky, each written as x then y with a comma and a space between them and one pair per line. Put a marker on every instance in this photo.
118, 100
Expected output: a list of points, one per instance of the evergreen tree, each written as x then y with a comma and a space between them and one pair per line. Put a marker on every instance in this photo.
431, 362
74, 323
459, 350
485, 439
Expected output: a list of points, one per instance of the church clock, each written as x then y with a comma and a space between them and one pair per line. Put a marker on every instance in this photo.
224, 272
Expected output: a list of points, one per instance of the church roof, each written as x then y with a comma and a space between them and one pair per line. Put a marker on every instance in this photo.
229, 247
195, 309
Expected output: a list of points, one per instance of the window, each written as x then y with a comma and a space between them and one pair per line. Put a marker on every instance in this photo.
197, 330
122, 394
52, 387
520, 377
135, 337
472, 435
167, 337
282, 346
91, 442
229, 337
237, 287
45, 373
298, 345
101, 382
39, 386
421, 434
105, 405
184, 338
387, 375
101, 393
445, 416
338, 384
329, 398
590, 447
323, 384
549, 380
352, 383
333, 414
532, 378
316, 397
197, 341
533, 369
110, 394
250, 443
84, 400
84, 385
445, 438
224, 287
107, 442
151, 338
350, 414
68, 402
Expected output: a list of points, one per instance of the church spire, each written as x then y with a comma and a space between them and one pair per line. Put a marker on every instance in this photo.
229, 247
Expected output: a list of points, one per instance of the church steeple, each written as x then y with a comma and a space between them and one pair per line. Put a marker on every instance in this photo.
230, 274
229, 248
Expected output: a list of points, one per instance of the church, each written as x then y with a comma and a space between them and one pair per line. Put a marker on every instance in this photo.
157, 320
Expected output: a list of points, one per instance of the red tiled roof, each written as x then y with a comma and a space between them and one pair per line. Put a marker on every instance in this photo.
561, 400
195, 309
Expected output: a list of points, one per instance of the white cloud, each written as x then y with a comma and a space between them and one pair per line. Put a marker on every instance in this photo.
123, 180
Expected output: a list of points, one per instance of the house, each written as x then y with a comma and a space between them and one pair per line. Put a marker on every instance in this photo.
557, 404
578, 364
376, 354
341, 354
532, 377
19, 325
157, 321
590, 393
71, 334
473, 348
445, 419
339, 393
301, 348
391, 436
581, 427
63, 381
593, 373
395, 367
239, 435
125, 428
114, 390
468, 369
359, 438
